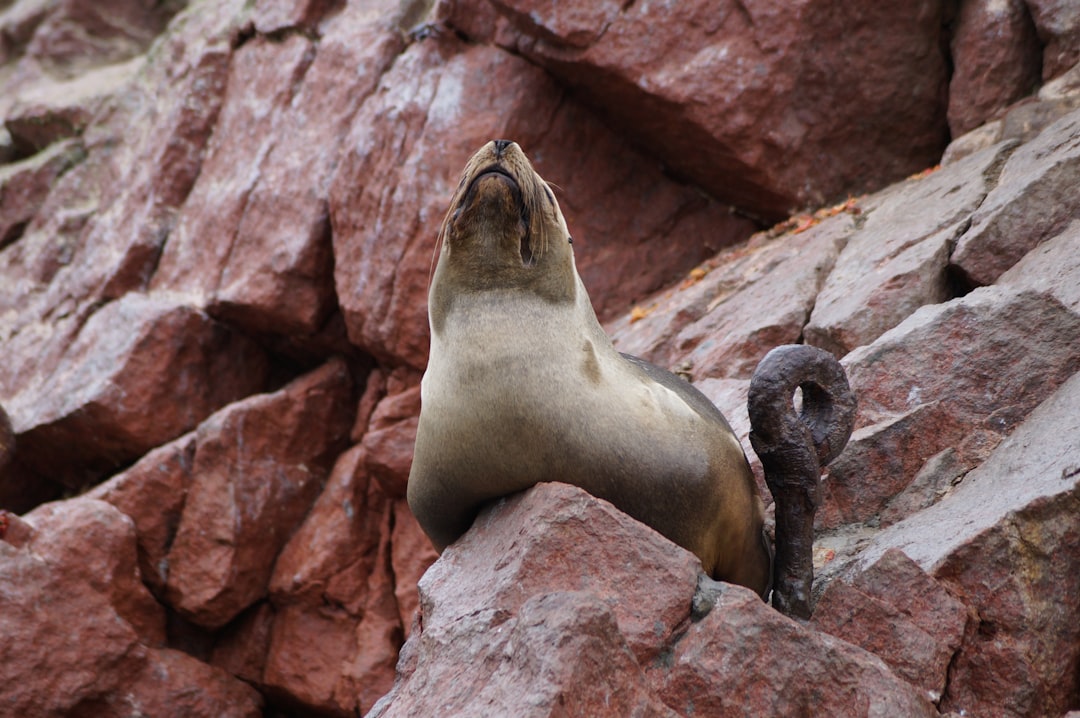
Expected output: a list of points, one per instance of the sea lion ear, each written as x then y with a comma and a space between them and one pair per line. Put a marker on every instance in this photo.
569, 239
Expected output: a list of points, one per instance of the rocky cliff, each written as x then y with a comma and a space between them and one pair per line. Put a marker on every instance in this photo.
217, 221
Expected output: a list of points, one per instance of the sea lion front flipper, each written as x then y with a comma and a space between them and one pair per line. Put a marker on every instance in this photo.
793, 448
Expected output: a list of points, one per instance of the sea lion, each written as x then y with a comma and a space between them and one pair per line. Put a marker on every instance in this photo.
524, 386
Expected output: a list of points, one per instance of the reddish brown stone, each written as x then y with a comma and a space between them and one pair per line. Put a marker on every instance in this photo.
753, 298
1034, 200
746, 98
24, 186
263, 76
744, 658
152, 493
520, 529
52, 110
897, 612
106, 563
1001, 541
337, 629
975, 365
562, 654
895, 262
115, 394
84, 650
1053, 267
411, 554
996, 60
1058, 25
259, 464
278, 273
389, 440
433, 109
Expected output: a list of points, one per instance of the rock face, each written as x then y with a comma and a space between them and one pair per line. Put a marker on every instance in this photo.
217, 221
561, 629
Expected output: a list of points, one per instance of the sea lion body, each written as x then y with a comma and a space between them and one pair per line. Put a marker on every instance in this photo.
524, 386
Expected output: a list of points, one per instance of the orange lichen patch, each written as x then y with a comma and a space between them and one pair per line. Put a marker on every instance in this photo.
639, 312
696, 275
823, 556
925, 173
802, 222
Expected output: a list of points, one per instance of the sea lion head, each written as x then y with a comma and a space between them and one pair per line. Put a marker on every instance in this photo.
504, 229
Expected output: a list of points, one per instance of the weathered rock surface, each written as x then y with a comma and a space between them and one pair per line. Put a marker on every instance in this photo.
92, 647
997, 57
1003, 541
140, 372
896, 260
746, 99
201, 202
962, 374
1034, 200
561, 629
258, 466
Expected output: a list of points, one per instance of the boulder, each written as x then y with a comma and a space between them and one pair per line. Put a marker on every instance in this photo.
336, 628
555, 603
258, 466
1001, 542
996, 57
757, 102
1053, 267
962, 374
153, 493
91, 647
1034, 200
114, 394
24, 186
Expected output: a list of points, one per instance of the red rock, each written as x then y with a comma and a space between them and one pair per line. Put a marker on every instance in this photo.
175, 684
432, 110
74, 34
82, 656
115, 393
152, 493
895, 262
562, 654
970, 367
1058, 25
744, 658
1032, 202
101, 228
259, 464
1001, 541
77, 650
337, 630
1052, 267
996, 59
263, 76
519, 530
240, 648
745, 99
106, 563
897, 612
52, 110
389, 441
278, 273
757, 297
24, 186
411, 554
489, 627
